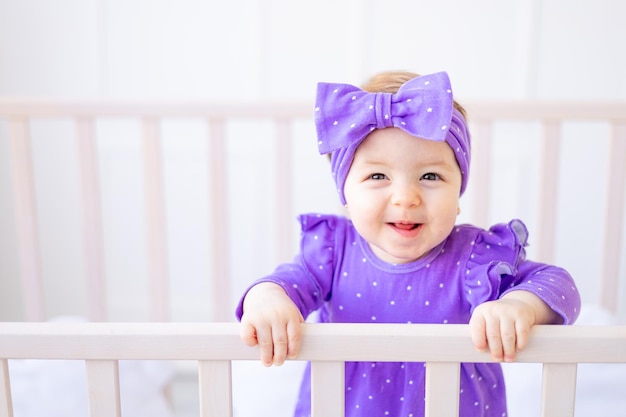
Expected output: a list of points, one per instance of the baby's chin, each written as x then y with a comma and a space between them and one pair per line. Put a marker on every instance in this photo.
398, 256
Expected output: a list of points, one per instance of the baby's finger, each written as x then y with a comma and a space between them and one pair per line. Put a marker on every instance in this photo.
294, 332
247, 333
266, 346
508, 340
494, 339
279, 337
478, 332
522, 331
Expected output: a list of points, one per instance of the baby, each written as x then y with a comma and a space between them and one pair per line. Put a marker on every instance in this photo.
400, 157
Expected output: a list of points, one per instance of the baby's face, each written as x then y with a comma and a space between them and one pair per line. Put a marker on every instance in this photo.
402, 194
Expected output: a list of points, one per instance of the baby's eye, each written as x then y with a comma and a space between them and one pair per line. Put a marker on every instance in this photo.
431, 176
377, 176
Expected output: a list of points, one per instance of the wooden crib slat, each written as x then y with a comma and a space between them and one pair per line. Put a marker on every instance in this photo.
103, 388
442, 389
92, 219
549, 191
609, 285
558, 389
327, 388
26, 219
218, 190
6, 405
155, 220
480, 170
283, 209
215, 380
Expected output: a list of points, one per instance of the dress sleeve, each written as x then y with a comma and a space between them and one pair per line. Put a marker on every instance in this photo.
307, 280
498, 265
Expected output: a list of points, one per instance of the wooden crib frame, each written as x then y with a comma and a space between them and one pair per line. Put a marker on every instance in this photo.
215, 345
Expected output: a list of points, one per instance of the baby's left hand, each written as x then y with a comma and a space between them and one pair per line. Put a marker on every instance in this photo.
502, 326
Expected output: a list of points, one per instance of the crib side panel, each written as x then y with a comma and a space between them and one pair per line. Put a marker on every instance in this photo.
328, 346
229, 264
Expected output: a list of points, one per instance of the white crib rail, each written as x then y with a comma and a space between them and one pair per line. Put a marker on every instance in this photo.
483, 116
215, 345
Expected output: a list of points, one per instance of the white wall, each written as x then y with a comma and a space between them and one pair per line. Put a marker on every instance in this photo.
273, 50
264, 49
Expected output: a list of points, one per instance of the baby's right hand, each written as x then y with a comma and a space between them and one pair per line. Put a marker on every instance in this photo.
272, 321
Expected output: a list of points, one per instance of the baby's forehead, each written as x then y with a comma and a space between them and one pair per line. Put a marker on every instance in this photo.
393, 141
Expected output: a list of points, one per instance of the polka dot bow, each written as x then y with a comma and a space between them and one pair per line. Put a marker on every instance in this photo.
423, 107
345, 114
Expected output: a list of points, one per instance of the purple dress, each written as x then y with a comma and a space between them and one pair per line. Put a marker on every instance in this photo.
337, 273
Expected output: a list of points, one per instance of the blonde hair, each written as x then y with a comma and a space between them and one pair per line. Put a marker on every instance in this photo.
391, 81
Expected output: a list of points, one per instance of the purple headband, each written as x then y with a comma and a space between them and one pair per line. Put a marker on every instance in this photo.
422, 107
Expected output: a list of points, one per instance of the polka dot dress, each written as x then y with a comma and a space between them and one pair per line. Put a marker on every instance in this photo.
338, 274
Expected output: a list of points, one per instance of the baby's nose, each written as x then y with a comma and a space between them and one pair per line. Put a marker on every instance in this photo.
405, 195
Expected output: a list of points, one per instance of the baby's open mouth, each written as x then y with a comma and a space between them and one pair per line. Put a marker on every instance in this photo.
406, 229
405, 226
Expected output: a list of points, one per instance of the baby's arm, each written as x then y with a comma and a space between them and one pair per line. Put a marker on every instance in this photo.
272, 321
502, 326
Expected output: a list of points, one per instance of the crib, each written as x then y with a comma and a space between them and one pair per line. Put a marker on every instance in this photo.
543, 133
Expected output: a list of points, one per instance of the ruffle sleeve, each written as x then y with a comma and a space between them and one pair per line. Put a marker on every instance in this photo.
497, 265
307, 280
494, 260
318, 242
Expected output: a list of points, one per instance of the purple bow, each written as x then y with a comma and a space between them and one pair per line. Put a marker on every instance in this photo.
345, 114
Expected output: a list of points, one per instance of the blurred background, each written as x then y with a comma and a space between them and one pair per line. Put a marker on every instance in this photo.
276, 51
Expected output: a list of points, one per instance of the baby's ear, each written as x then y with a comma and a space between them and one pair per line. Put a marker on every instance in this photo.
458, 210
